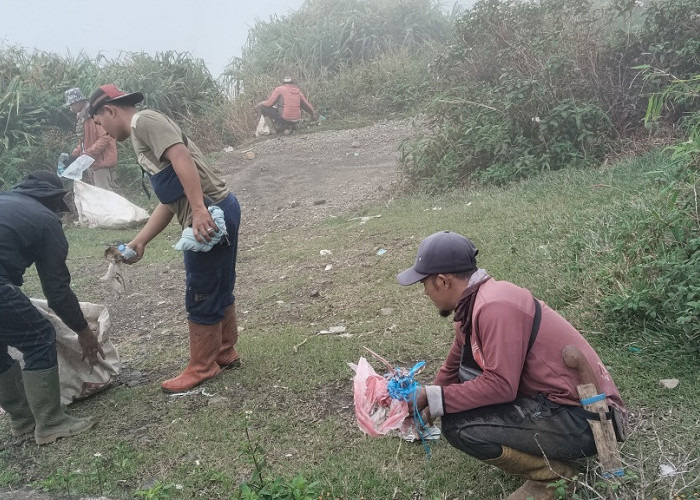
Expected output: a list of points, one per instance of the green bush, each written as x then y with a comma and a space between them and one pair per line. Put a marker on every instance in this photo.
525, 87
657, 291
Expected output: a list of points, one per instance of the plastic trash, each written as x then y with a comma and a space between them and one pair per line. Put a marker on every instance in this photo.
126, 251
61, 165
75, 170
381, 251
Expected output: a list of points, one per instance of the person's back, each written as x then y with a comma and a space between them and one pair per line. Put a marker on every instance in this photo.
289, 102
23, 223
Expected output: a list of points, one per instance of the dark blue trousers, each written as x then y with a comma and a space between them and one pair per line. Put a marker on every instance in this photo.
23, 327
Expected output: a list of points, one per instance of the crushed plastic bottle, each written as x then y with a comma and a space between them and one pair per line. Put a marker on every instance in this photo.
126, 251
61, 165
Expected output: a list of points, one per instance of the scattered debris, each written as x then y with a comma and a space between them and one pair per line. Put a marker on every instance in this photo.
386, 311
319, 202
326, 252
669, 383
333, 330
366, 218
229, 149
667, 470
355, 144
250, 155
315, 293
338, 330
328, 267
381, 251
193, 392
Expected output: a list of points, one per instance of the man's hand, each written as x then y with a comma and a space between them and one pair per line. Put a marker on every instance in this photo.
139, 248
203, 225
421, 401
89, 346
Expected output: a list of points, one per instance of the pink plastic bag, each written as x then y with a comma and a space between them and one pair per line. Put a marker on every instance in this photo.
376, 412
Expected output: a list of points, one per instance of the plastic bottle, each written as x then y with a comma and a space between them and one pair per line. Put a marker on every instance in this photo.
61, 166
127, 252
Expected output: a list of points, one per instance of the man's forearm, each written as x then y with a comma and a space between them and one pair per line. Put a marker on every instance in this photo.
159, 220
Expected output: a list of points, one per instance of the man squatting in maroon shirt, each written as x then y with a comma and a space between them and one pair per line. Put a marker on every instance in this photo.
506, 401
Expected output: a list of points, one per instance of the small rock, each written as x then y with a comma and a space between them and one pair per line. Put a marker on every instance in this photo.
355, 144
319, 202
295, 204
315, 293
669, 383
250, 155
228, 149
386, 311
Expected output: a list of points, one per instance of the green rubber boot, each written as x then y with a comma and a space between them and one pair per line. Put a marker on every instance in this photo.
14, 401
44, 397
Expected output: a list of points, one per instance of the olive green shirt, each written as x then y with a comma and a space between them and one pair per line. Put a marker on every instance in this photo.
152, 133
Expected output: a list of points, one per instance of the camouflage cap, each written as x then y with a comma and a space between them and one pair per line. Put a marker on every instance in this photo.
73, 95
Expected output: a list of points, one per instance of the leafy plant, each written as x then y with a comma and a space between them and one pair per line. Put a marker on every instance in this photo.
159, 491
263, 485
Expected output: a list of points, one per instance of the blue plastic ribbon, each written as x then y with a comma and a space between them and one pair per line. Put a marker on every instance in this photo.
593, 399
405, 388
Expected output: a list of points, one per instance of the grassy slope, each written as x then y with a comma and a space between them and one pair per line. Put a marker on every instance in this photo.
548, 234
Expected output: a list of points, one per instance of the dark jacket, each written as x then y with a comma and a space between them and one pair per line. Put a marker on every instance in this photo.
31, 233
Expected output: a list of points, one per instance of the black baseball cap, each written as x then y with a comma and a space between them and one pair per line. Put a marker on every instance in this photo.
110, 93
440, 253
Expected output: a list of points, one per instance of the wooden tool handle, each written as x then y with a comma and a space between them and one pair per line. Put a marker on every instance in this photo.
574, 358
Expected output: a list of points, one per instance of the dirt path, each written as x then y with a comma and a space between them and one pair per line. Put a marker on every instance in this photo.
291, 182
296, 180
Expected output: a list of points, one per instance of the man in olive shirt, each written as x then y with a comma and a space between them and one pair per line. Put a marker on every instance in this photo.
185, 185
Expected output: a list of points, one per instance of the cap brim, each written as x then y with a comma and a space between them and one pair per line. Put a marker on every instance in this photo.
133, 98
409, 277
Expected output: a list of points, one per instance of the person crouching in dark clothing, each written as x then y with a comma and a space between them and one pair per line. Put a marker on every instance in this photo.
31, 233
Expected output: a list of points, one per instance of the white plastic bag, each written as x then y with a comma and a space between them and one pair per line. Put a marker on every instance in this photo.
99, 207
78, 379
263, 127
75, 170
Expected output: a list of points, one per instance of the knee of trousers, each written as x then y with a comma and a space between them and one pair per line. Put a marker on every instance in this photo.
468, 439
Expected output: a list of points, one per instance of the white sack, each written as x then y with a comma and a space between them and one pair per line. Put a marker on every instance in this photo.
78, 379
99, 207
263, 127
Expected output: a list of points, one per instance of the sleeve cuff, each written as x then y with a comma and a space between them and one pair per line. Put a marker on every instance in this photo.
435, 400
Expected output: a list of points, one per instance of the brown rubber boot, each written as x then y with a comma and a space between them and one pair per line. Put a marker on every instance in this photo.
205, 342
228, 358
44, 397
538, 471
14, 401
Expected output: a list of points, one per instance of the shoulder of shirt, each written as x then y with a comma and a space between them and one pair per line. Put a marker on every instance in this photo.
494, 291
144, 113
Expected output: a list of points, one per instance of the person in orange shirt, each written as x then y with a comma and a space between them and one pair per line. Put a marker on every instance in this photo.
284, 106
93, 141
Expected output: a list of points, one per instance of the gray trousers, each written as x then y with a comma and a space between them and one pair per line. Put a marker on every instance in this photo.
534, 425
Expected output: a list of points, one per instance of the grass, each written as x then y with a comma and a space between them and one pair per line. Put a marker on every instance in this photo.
550, 235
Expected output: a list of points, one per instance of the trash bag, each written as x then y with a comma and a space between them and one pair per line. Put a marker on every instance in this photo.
377, 413
263, 127
78, 379
99, 207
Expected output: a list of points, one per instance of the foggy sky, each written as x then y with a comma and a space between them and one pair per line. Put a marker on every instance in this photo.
213, 30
